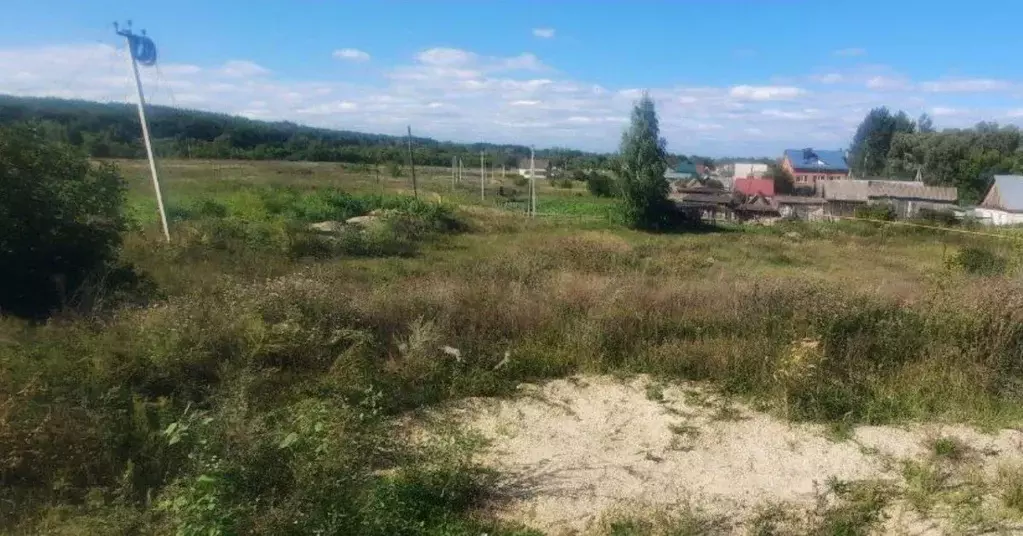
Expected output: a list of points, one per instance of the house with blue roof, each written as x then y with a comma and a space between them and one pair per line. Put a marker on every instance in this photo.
810, 167
1003, 204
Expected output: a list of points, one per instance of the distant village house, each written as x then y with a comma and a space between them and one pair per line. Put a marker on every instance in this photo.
540, 166
752, 186
812, 167
1003, 204
743, 170
907, 198
685, 170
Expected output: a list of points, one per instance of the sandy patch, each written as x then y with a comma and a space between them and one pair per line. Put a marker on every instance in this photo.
572, 450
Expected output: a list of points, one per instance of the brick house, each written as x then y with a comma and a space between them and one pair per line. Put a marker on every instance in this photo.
811, 167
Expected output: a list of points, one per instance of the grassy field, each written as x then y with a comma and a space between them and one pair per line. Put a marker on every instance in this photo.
256, 391
188, 180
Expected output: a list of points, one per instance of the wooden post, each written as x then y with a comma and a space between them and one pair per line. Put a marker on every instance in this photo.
532, 182
412, 163
483, 194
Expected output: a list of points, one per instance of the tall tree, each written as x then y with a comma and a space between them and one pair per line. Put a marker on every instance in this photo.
873, 140
640, 168
964, 158
925, 124
784, 183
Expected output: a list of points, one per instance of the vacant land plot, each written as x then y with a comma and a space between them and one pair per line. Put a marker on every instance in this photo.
792, 379
586, 452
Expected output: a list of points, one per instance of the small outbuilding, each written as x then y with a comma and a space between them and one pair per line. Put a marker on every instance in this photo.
907, 198
1003, 204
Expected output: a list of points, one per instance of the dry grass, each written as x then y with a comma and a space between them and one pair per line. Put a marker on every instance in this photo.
901, 336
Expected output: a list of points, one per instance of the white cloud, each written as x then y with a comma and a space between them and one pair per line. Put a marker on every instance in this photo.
329, 108
445, 57
944, 111
351, 54
525, 62
544, 33
887, 83
787, 114
830, 78
243, 68
766, 93
460, 95
965, 85
851, 52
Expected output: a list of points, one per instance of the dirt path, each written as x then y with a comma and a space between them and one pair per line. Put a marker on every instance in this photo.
575, 452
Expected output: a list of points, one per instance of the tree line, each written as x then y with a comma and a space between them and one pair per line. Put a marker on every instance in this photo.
892, 145
111, 130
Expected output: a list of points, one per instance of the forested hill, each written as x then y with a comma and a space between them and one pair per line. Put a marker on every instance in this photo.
111, 130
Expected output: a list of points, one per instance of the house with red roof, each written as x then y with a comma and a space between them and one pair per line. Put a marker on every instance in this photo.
753, 186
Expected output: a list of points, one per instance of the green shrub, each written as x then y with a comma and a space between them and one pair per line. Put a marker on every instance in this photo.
563, 183
951, 448
859, 510
879, 212
521, 181
61, 220
600, 184
978, 260
938, 216
277, 219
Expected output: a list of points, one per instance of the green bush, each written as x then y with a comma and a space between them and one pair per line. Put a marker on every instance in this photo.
880, 212
277, 219
978, 260
521, 181
61, 220
940, 217
600, 184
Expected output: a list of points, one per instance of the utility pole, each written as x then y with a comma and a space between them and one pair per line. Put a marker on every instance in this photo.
453, 176
412, 163
483, 193
532, 181
141, 48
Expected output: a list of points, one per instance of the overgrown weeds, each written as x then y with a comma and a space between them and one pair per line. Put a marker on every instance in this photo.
978, 260
950, 448
851, 508
257, 394
685, 520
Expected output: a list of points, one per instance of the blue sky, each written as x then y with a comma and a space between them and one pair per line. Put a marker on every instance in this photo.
730, 77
